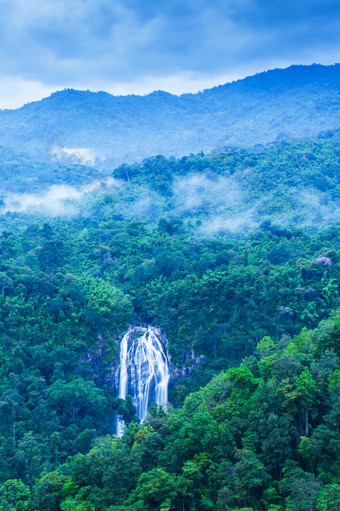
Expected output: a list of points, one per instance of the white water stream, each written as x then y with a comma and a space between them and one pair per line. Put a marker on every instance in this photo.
143, 371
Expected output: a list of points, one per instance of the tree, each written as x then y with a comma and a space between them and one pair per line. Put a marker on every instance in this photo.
250, 476
14, 495
306, 391
154, 489
75, 396
329, 498
303, 494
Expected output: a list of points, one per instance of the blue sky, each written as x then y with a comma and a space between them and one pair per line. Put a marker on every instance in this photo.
137, 46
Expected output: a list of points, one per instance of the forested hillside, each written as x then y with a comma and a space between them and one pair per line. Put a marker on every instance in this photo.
235, 256
292, 183
261, 436
169, 255
295, 102
24, 174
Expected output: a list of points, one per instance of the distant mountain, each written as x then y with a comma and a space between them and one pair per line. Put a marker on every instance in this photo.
82, 126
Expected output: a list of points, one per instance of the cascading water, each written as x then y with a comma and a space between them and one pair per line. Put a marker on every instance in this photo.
143, 372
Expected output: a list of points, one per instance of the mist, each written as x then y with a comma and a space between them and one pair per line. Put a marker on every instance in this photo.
219, 204
224, 224
316, 209
206, 191
300, 207
55, 201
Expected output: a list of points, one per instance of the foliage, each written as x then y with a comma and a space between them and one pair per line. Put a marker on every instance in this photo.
238, 443
258, 434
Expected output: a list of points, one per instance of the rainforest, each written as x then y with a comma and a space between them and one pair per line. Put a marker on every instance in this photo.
170, 326
235, 256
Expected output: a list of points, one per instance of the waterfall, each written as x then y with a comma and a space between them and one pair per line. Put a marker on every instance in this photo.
143, 372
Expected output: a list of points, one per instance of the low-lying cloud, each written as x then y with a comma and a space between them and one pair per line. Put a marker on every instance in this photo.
316, 209
219, 202
57, 200
206, 191
75, 155
223, 224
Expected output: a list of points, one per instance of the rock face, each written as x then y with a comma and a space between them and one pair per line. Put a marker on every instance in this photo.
143, 372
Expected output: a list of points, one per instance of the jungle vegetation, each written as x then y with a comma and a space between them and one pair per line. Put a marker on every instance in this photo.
235, 255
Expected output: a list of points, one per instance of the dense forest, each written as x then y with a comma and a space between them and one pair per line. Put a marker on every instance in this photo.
260, 436
235, 255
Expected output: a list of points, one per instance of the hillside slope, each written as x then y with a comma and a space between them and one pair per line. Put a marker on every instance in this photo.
298, 101
219, 251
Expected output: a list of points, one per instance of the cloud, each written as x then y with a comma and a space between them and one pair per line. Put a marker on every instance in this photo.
232, 223
315, 210
15, 91
219, 203
57, 200
206, 191
100, 44
78, 155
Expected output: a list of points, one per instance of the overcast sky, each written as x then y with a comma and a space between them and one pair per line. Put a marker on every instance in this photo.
137, 46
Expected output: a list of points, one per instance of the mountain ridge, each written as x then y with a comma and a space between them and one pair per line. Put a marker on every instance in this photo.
160, 92
298, 101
